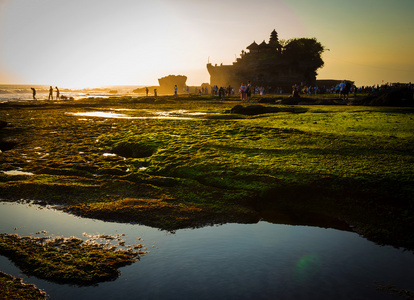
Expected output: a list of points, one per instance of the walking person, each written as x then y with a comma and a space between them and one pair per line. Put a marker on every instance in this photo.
57, 93
34, 93
243, 92
175, 90
342, 87
50, 93
248, 91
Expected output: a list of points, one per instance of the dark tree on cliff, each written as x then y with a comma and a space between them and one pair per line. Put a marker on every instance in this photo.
306, 51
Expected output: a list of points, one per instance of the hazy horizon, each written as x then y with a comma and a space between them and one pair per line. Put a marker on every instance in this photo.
78, 44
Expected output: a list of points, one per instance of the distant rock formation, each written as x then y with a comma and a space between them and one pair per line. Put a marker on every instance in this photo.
166, 85
168, 82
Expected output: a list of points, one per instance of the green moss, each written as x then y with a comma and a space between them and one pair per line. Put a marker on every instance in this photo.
14, 288
67, 260
334, 160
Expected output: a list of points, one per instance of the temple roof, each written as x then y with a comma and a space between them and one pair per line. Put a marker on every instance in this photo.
263, 45
253, 46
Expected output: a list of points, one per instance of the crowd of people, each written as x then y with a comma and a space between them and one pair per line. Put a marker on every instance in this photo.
246, 90
342, 89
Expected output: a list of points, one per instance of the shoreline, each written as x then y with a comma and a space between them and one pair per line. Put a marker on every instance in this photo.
170, 196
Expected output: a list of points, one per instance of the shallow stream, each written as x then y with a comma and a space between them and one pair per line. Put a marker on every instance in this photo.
232, 261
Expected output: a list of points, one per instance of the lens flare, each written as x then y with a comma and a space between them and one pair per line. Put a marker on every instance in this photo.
307, 267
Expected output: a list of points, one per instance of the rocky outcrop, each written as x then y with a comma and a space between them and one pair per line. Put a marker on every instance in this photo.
402, 97
166, 86
6, 143
252, 110
168, 82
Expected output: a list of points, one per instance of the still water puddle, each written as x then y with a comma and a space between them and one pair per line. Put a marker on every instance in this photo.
151, 114
232, 261
102, 114
17, 172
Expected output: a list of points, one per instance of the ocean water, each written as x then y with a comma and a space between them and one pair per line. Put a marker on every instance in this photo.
24, 92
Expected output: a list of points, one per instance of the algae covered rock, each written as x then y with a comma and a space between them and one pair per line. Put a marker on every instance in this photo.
252, 110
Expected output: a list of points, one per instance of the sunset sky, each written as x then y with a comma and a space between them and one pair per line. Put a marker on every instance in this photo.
92, 43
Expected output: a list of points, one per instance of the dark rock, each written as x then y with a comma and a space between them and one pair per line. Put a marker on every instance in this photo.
268, 100
331, 102
3, 124
145, 100
292, 101
388, 97
135, 150
7, 145
253, 110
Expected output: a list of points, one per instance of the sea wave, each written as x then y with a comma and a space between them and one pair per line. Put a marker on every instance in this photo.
24, 92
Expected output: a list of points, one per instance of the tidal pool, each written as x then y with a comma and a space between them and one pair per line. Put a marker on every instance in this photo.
152, 114
16, 172
232, 261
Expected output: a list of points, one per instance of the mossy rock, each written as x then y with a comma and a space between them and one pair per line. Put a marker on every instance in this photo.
135, 150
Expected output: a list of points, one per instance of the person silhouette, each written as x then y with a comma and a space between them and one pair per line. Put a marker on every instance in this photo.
50, 93
34, 93
57, 93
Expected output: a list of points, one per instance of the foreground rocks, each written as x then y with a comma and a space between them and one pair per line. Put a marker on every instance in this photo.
402, 97
253, 110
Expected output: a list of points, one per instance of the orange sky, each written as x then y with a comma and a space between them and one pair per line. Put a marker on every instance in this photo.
95, 43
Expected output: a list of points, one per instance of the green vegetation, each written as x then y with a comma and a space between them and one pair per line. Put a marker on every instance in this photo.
346, 162
13, 288
68, 260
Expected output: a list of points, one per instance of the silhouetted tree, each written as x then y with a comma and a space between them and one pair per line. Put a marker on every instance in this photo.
306, 52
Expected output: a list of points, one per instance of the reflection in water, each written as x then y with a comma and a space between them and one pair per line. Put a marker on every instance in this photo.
153, 114
101, 114
17, 172
283, 215
232, 261
109, 154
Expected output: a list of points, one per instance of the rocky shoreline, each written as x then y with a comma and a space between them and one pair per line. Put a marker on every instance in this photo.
174, 173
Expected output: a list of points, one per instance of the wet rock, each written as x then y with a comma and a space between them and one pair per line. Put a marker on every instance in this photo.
111, 171
252, 110
3, 124
145, 100
135, 150
7, 144
291, 101
268, 100
331, 102
297, 100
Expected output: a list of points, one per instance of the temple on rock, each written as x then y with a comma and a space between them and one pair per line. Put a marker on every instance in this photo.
271, 64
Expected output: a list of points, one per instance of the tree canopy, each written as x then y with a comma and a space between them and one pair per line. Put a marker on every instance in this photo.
305, 49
